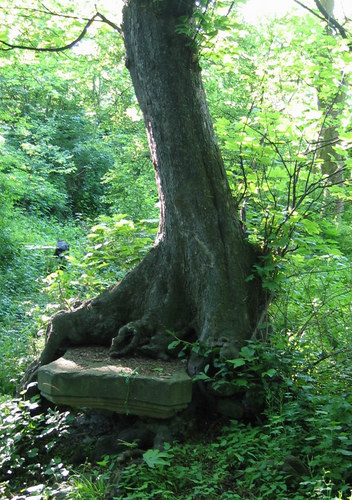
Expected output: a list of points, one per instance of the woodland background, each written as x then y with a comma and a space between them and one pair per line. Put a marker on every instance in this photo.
75, 164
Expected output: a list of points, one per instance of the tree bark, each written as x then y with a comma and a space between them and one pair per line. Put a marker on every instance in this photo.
194, 281
332, 163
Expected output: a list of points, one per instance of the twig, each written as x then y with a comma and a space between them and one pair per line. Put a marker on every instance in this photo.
332, 21
64, 300
327, 356
310, 10
96, 16
46, 12
329, 19
230, 8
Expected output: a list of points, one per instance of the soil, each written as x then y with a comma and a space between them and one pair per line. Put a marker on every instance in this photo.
89, 357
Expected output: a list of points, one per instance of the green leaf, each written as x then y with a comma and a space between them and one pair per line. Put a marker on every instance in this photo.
311, 227
237, 362
269, 373
247, 353
347, 453
201, 376
33, 452
156, 458
174, 344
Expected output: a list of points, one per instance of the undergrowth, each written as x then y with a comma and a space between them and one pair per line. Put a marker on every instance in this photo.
298, 447
22, 301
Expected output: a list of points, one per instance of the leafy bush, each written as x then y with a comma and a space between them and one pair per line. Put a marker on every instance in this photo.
27, 441
302, 449
114, 246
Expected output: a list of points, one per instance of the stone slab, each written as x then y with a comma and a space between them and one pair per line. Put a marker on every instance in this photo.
88, 377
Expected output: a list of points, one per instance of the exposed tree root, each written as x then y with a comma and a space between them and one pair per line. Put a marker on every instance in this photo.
133, 317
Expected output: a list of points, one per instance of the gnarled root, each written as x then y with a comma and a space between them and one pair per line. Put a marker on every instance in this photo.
140, 336
133, 318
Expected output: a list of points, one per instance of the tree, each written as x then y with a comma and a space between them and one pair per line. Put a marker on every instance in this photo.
196, 280
333, 164
332, 161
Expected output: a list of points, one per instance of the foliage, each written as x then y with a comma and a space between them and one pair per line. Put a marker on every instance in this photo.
301, 449
271, 140
35, 285
54, 160
60, 157
74, 154
27, 439
113, 247
22, 302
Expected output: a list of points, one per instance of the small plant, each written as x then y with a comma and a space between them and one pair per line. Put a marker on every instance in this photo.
157, 458
128, 381
27, 444
90, 487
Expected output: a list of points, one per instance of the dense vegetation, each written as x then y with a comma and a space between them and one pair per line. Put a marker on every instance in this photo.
75, 164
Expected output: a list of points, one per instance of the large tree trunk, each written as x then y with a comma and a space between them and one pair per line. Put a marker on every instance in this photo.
194, 281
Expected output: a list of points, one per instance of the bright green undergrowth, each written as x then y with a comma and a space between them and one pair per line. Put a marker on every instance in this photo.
299, 448
22, 301
35, 285
301, 371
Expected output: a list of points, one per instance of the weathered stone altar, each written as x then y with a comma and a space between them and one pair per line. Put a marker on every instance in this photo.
88, 377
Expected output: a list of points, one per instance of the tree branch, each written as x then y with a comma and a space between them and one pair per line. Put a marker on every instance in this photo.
230, 8
110, 23
96, 16
325, 356
310, 10
331, 21
45, 11
326, 17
